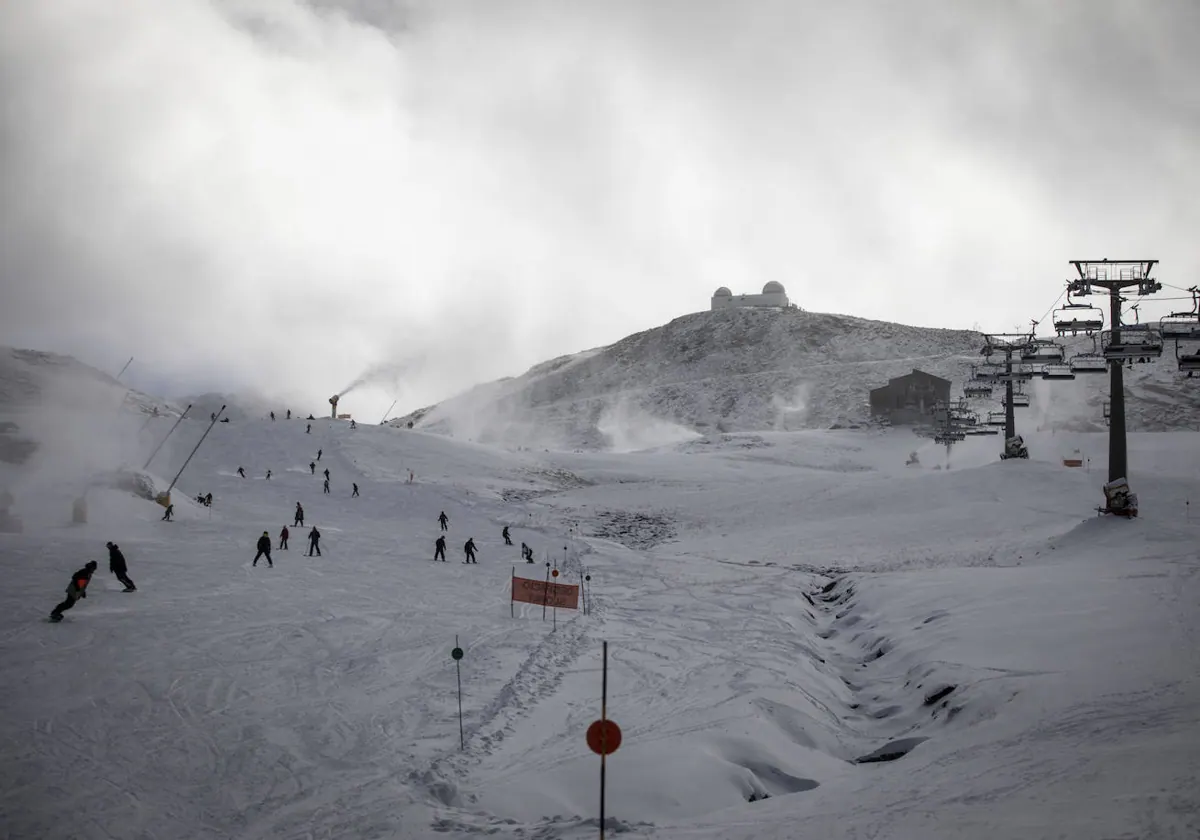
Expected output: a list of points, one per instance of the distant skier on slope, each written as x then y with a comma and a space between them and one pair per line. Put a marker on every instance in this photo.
166, 517
76, 589
319, 453
118, 566
439, 549
507, 538
326, 487
241, 472
443, 520
469, 550
283, 538
268, 475
314, 542
355, 493
312, 467
299, 516
308, 429
264, 550
327, 474
526, 553
272, 416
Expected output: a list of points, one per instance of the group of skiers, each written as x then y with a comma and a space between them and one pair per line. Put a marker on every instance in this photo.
77, 588
439, 545
264, 543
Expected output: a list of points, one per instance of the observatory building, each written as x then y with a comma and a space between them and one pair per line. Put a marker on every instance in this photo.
773, 295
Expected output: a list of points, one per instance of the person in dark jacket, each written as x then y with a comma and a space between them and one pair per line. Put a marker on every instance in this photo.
76, 589
325, 487
526, 553
241, 472
507, 538
268, 475
314, 542
169, 512
116, 565
264, 550
355, 493
469, 550
319, 453
308, 429
443, 520
283, 538
326, 475
299, 523
289, 414
312, 466
439, 549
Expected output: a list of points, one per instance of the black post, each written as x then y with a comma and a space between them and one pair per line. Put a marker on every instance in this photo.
603, 731
1010, 419
512, 595
1117, 453
462, 742
127, 364
216, 418
146, 466
546, 592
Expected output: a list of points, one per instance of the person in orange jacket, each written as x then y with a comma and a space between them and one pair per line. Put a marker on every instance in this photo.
76, 589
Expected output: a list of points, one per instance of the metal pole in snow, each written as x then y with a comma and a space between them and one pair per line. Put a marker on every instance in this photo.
603, 717
216, 417
546, 591
512, 595
164, 440
127, 364
462, 743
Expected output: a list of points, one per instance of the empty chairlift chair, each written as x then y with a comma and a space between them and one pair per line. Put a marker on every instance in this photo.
996, 418
1132, 345
1019, 400
1057, 371
977, 389
1088, 363
1183, 326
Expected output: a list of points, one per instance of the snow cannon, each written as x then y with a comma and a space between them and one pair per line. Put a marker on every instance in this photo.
333, 401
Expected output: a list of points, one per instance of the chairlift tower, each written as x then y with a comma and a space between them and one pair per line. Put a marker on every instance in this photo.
1008, 344
1115, 276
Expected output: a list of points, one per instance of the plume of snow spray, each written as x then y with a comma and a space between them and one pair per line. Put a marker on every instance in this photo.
386, 373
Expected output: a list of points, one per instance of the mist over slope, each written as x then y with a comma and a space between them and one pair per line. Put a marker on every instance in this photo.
754, 370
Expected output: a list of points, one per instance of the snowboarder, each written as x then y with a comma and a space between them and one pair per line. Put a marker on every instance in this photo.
326, 487
355, 493
268, 475
299, 516
526, 553
469, 550
308, 429
314, 542
289, 414
319, 451
116, 565
272, 416
169, 512
327, 474
507, 538
443, 520
353, 425
241, 472
439, 549
264, 550
283, 538
76, 589
312, 467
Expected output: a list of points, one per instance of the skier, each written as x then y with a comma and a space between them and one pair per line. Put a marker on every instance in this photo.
355, 493
170, 511
439, 549
443, 519
326, 487
526, 553
264, 550
268, 475
283, 538
308, 429
208, 500
504, 533
326, 473
312, 467
314, 542
319, 451
76, 589
116, 565
353, 425
241, 472
299, 516
469, 550
272, 416
289, 414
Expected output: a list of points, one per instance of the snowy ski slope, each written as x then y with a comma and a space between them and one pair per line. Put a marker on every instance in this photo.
777, 605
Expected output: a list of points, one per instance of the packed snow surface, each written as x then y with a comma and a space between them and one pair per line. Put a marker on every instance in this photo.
806, 639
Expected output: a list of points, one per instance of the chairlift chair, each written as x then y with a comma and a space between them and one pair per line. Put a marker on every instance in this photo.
1088, 363
1137, 346
977, 389
1075, 318
1043, 351
1189, 363
1020, 372
980, 431
1018, 400
1057, 371
988, 371
996, 418
1185, 327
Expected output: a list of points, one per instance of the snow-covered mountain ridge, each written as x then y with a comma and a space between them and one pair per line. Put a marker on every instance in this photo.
753, 370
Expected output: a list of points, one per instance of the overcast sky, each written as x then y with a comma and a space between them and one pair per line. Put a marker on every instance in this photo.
278, 195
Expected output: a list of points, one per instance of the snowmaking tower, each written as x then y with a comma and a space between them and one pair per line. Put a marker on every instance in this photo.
333, 401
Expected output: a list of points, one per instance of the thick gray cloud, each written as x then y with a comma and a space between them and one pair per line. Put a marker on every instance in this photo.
279, 195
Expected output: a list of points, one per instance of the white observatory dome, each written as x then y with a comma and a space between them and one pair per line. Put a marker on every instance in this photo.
773, 288
723, 292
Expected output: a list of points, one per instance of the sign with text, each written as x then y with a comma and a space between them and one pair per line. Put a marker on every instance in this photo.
565, 596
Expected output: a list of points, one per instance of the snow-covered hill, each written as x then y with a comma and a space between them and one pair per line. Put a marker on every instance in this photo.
753, 370
807, 638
